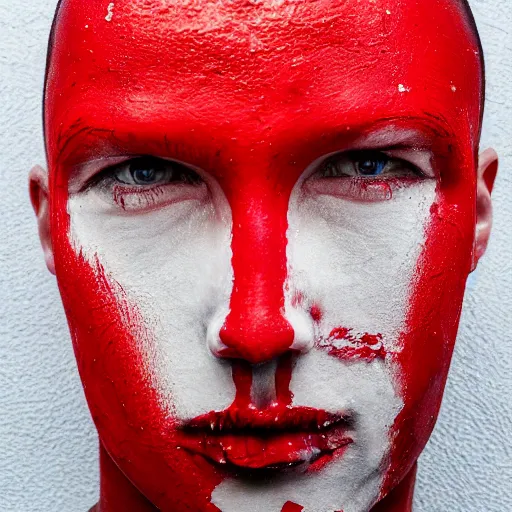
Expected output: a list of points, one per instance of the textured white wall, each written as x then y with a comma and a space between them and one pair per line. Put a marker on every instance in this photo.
47, 442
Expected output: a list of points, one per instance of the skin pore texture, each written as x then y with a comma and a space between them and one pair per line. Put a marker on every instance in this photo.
262, 216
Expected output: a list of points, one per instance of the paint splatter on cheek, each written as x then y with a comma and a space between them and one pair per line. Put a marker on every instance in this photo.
346, 345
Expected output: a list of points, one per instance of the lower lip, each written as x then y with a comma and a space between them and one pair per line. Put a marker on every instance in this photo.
272, 451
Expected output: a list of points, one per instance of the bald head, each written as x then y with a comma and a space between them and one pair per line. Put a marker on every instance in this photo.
463, 5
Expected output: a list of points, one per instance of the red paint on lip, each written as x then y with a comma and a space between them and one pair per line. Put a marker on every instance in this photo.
276, 418
274, 438
266, 451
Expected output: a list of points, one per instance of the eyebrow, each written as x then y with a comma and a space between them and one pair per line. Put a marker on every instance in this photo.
108, 140
81, 142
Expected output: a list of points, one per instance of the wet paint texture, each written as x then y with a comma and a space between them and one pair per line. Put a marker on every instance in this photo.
253, 94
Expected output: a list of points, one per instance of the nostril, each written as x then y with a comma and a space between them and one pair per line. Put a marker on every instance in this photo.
260, 338
304, 336
213, 340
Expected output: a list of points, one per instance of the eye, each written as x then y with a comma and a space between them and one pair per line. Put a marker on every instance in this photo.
364, 176
367, 164
147, 183
151, 171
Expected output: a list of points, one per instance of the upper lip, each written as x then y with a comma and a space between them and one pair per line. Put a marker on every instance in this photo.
273, 419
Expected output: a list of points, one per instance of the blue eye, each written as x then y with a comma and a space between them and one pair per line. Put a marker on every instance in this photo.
367, 164
144, 176
151, 171
372, 166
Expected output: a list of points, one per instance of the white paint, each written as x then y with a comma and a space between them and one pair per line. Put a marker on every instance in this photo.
110, 12
44, 414
356, 259
159, 259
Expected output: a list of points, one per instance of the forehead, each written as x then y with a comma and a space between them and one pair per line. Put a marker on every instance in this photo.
265, 62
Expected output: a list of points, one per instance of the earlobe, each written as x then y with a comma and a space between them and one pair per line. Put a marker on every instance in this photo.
486, 175
38, 189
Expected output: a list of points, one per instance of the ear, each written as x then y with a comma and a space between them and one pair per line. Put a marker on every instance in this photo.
486, 174
38, 189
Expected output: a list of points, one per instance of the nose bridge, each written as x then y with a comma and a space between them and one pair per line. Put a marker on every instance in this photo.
256, 328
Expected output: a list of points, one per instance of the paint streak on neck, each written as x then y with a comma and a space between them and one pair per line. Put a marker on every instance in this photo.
117, 493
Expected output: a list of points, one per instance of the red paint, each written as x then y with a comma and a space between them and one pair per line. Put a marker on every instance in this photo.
316, 313
291, 507
255, 328
271, 451
366, 347
242, 378
363, 353
255, 120
340, 333
284, 370
244, 437
371, 339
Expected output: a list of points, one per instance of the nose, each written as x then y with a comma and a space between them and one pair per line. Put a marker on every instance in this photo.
256, 327
258, 339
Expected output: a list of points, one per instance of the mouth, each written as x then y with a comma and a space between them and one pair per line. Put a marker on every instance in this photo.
274, 439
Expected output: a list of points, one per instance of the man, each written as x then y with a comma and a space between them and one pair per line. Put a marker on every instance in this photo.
261, 216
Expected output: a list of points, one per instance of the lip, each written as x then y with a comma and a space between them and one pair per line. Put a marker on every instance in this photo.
273, 439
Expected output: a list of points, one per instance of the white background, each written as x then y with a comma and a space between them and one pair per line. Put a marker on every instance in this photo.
48, 460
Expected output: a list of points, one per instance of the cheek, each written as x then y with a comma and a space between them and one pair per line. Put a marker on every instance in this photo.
353, 263
173, 266
432, 322
353, 266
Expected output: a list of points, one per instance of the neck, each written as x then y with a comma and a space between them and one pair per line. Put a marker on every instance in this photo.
400, 498
118, 494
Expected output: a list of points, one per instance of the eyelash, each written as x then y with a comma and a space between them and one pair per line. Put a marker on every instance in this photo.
338, 166
365, 175
340, 176
128, 192
173, 171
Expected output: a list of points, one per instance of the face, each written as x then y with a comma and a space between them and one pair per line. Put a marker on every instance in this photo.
263, 218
